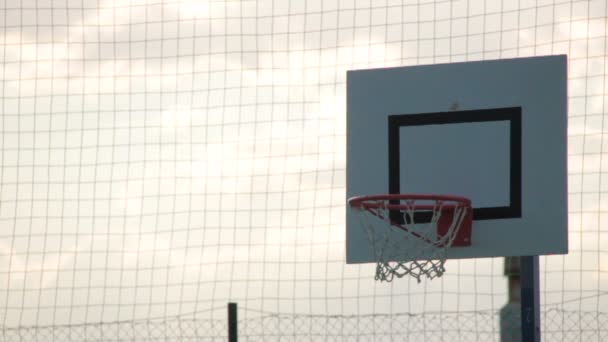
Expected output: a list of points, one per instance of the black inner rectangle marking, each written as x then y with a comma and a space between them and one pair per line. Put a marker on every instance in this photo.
510, 114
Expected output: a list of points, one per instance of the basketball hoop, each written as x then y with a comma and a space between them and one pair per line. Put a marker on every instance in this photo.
410, 234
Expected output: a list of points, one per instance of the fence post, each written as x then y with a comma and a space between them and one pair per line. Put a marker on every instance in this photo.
232, 323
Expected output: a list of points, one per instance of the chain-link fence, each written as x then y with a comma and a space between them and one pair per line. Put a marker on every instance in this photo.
557, 325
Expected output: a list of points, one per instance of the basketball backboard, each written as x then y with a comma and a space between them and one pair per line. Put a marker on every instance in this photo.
491, 131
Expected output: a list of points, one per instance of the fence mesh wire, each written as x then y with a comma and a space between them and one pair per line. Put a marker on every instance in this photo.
160, 158
558, 325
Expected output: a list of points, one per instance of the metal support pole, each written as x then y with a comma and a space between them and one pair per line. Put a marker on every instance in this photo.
530, 299
232, 323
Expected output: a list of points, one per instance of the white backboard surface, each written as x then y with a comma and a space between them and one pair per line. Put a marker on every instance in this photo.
492, 131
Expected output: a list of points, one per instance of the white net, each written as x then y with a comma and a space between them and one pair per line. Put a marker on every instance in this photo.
403, 244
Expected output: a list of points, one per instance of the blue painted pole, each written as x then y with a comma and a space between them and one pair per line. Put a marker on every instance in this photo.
530, 299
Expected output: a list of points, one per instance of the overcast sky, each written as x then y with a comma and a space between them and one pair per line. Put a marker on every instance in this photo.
162, 158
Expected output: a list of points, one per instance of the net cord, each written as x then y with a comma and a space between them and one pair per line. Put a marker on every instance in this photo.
399, 250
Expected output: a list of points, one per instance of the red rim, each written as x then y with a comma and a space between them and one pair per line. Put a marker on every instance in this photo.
372, 201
